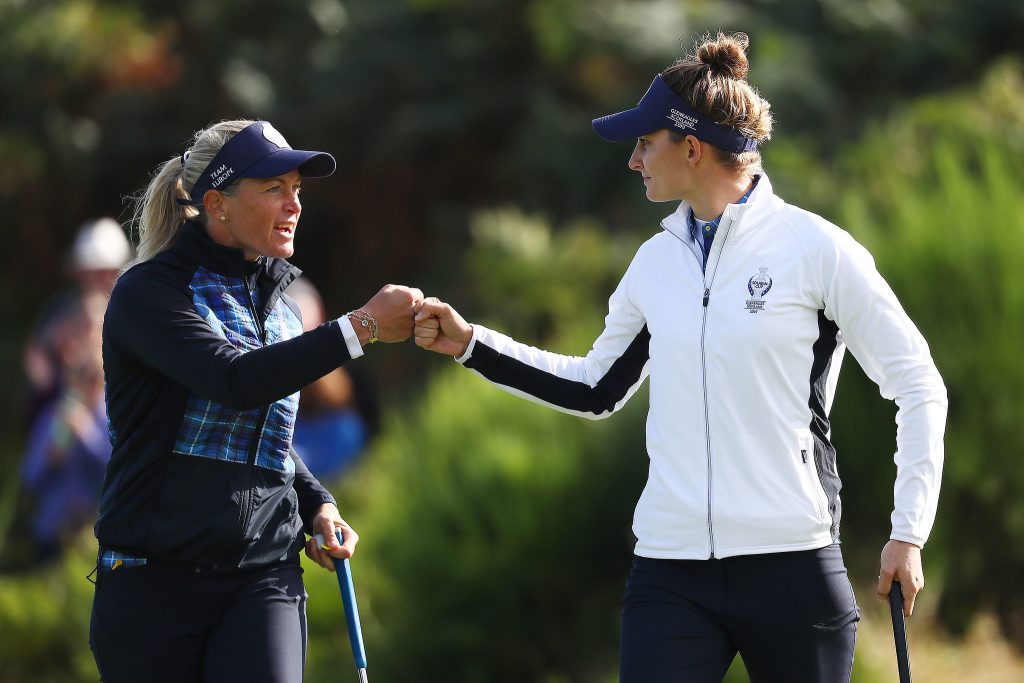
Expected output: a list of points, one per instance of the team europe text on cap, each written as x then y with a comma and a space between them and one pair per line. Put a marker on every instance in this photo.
258, 151
661, 108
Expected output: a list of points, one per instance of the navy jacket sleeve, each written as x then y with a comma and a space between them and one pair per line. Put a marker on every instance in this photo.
151, 317
310, 491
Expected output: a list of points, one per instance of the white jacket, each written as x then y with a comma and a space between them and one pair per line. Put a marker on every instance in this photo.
743, 361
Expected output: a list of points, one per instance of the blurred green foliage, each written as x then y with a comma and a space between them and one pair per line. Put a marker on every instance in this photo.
44, 617
496, 532
505, 530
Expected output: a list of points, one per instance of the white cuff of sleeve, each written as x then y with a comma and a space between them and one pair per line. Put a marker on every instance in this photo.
355, 349
469, 349
907, 538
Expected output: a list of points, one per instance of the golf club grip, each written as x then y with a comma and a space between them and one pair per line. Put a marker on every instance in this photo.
899, 631
348, 598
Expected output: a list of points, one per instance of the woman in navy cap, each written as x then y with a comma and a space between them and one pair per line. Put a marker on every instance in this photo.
740, 310
205, 502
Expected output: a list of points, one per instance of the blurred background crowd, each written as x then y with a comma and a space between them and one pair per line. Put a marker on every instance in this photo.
495, 533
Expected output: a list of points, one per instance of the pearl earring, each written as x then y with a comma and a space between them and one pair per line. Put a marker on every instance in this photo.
222, 218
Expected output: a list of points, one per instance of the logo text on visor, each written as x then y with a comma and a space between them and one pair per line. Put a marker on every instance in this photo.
661, 103
219, 175
682, 120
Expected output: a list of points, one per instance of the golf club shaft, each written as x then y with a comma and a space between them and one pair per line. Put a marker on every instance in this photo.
899, 631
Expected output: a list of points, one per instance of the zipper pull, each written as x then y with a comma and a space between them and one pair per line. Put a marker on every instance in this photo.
803, 454
707, 295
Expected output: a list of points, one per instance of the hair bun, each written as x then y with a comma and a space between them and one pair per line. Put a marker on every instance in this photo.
725, 55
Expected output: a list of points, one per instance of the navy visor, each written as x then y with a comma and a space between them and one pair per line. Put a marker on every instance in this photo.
258, 151
662, 108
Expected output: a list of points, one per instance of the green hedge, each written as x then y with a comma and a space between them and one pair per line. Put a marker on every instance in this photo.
496, 539
44, 619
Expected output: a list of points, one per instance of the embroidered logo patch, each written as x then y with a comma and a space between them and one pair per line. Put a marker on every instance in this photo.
758, 286
271, 134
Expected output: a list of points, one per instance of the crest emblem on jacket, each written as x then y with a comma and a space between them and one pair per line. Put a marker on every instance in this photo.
758, 285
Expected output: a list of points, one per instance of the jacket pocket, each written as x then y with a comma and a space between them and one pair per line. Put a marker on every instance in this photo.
805, 452
838, 624
196, 516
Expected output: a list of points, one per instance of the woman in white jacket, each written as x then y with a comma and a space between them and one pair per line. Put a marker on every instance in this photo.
740, 311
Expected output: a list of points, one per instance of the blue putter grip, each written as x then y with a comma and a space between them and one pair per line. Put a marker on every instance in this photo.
348, 597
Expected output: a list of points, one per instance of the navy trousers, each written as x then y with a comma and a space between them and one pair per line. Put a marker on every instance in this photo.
161, 622
792, 617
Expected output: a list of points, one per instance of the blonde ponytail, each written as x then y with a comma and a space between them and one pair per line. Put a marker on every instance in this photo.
157, 216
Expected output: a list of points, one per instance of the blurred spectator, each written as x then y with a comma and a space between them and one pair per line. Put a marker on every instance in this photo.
68, 446
336, 413
97, 255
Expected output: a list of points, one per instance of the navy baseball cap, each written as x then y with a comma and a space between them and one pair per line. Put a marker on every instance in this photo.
661, 108
258, 151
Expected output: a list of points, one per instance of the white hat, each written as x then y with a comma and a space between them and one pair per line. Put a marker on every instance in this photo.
100, 245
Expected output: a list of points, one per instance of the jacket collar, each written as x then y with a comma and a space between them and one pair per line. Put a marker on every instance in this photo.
762, 201
196, 246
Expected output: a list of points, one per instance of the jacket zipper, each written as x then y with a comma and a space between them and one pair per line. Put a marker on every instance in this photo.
707, 420
704, 376
264, 413
811, 473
